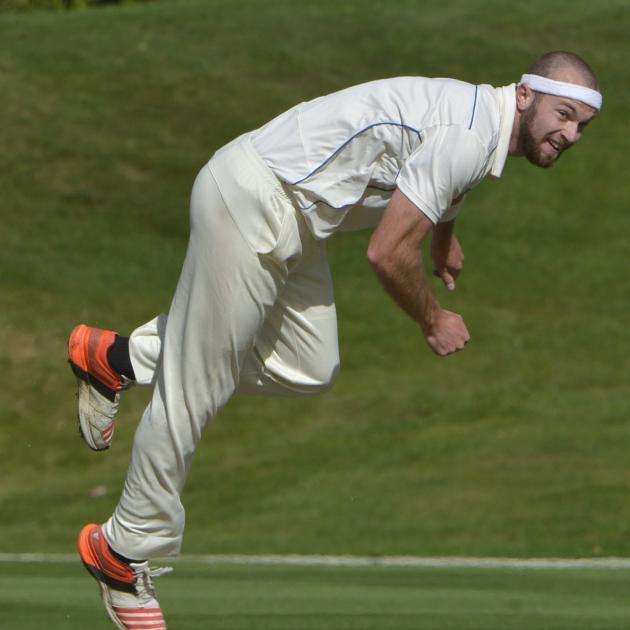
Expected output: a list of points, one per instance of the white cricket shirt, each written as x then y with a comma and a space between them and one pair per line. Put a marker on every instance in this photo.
341, 156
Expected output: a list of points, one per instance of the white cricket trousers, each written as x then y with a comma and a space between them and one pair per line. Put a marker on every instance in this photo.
253, 312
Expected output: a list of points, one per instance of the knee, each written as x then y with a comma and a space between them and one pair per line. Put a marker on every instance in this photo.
323, 380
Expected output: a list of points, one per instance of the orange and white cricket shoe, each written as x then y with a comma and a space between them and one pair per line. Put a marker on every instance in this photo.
126, 589
99, 385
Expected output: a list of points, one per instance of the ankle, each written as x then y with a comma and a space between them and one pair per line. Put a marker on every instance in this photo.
120, 557
119, 359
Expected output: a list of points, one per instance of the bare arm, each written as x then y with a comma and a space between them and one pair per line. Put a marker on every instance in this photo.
394, 253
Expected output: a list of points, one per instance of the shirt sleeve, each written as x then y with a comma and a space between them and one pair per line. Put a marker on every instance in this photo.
449, 161
451, 213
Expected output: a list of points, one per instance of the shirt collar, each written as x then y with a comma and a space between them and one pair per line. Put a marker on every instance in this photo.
506, 100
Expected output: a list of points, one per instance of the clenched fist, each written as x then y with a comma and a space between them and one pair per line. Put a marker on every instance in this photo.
447, 333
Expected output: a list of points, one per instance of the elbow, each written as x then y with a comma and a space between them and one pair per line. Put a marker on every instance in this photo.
372, 254
380, 259
378, 250
375, 256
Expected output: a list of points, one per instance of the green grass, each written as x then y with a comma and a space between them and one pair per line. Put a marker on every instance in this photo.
197, 597
518, 446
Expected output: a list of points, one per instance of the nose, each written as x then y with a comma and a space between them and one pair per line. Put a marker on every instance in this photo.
572, 132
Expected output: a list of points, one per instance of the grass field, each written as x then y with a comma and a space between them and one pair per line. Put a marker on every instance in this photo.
517, 447
222, 597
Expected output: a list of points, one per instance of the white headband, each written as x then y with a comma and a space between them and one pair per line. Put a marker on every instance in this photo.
560, 88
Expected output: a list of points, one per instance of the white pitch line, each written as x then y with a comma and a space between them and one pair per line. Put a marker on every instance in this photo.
38, 557
362, 561
419, 562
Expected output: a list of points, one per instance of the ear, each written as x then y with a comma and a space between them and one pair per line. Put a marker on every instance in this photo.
524, 97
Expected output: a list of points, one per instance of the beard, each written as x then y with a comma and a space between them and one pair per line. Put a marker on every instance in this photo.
530, 143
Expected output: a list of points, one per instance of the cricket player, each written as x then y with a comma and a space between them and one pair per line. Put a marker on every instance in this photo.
254, 311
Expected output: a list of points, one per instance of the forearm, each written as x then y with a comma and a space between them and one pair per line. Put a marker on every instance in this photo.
395, 255
403, 276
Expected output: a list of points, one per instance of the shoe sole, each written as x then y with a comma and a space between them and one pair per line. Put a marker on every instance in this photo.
83, 392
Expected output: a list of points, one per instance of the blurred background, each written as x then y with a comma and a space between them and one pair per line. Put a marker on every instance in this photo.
516, 447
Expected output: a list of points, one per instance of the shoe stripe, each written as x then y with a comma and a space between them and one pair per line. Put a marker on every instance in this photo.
153, 611
140, 618
107, 432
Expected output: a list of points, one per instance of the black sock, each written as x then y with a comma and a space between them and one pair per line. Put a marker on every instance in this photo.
121, 557
119, 359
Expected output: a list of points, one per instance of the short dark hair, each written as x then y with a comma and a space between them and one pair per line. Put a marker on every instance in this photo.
546, 65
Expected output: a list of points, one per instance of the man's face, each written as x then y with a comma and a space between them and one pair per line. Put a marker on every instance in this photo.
551, 125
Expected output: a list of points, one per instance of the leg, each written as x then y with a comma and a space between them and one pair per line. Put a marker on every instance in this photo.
224, 295
145, 348
296, 352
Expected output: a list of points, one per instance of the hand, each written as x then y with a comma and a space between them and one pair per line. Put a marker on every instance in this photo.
447, 333
448, 258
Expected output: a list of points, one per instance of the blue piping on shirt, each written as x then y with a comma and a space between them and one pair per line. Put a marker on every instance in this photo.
347, 142
472, 117
348, 205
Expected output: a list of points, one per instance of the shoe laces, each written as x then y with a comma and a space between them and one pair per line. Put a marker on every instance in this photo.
144, 580
126, 383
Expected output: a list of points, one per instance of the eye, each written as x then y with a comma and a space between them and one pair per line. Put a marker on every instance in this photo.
563, 114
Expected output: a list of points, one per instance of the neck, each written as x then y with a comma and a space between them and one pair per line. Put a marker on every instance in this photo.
513, 148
